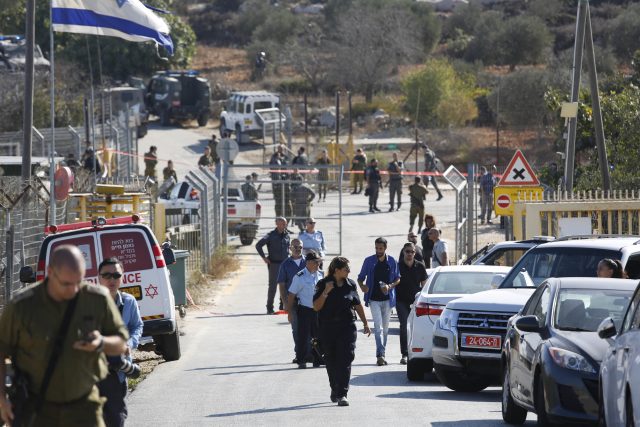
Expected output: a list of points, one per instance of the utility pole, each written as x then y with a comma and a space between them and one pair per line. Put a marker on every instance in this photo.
575, 93
584, 33
27, 123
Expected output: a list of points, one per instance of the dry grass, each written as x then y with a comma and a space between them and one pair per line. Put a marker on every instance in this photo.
221, 265
148, 360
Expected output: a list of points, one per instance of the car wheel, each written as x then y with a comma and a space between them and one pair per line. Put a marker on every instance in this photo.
416, 368
628, 411
540, 404
170, 345
165, 120
203, 118
238, 134
462, 381
511, 412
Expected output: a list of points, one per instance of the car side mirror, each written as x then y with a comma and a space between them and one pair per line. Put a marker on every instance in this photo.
27, 275
496, 280
528, 324
168, 254
607, 328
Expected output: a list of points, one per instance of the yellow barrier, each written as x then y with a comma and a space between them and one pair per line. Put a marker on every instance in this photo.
614, 213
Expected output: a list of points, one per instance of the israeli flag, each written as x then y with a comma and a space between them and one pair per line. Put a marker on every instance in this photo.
128, 19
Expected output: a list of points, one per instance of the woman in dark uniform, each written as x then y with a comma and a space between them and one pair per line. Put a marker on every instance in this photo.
335, 300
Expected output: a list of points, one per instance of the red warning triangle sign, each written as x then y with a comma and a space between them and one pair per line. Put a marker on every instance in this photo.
519, 172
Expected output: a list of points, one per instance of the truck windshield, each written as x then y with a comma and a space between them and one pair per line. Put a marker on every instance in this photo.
542, 263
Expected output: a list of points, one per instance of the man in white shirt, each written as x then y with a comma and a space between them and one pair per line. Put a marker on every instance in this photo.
440, 251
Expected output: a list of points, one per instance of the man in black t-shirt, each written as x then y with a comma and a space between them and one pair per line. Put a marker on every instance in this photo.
413, 275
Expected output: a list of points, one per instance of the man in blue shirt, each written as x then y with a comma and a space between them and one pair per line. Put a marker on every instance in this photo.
114, 387
382, 276
303, 287
288, 269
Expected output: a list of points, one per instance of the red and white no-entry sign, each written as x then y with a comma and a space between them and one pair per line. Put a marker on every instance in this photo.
503, 201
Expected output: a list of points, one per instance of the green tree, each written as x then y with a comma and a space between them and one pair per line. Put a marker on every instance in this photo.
486, 34
521, 98
524, 40
445, 97
371, 42
624, 33
141, 58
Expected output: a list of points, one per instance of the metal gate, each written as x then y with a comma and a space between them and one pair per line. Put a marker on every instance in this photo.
285, 191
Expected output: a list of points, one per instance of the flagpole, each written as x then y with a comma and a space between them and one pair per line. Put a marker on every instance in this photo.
52, 165
27, 117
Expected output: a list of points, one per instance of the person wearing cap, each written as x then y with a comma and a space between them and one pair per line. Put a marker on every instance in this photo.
277, 242
249, 189
313, 239
358, 165
302, 288
336, 299
412, 238
288, 269
413, 276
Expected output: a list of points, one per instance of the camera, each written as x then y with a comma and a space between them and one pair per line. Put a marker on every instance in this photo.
127, 367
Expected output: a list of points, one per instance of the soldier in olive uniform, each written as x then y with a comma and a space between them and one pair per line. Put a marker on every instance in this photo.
418, 194
150, 162
29, 326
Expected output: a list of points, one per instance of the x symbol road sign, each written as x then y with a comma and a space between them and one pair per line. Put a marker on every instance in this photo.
519, 173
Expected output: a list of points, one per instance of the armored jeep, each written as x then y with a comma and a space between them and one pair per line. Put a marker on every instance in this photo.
179, 96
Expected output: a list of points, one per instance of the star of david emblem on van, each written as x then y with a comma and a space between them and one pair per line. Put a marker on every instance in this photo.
121, 2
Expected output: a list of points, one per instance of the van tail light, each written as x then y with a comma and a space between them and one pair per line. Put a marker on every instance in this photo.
157, 253
258, 209
40, 271
424, 309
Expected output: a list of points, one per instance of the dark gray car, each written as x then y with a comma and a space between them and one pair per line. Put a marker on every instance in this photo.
552, 353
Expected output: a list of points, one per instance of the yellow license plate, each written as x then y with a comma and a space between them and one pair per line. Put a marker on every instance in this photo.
135, 291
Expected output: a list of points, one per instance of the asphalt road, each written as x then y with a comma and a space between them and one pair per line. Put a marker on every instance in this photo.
236, 361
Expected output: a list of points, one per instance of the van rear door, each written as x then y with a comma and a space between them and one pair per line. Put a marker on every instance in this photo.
143, 278
86, 242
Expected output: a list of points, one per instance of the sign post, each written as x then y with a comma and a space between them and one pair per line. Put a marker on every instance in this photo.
518, 181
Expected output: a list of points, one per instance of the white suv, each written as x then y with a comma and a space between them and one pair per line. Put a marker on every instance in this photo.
239, 115
468, 338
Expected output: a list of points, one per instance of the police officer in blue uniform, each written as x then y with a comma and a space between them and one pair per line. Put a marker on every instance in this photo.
302, 287
336, 298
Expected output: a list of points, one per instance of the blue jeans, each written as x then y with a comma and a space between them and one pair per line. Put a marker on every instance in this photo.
381, 312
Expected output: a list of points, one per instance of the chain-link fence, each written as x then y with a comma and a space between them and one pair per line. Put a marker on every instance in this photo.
23, 218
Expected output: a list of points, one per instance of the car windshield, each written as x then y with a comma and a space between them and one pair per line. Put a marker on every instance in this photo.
585, 309
458, 282
262, 105
506, 257
541, 263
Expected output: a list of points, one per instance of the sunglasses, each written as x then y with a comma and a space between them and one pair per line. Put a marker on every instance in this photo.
297, 247
111, 275
409, 252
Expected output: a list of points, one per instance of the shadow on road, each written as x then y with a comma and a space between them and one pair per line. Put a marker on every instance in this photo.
237, 366
390, 379
257, 371
485, 396
270, 410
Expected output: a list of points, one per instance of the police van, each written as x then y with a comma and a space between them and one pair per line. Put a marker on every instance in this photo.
145, 270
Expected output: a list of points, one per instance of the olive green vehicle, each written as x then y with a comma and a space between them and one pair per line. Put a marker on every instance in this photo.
179, 96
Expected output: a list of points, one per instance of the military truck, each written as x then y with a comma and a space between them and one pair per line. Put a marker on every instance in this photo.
122, 96
13, 49
179, 96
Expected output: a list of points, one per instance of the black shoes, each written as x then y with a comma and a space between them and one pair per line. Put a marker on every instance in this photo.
391, 209
375, 208
270, 311
440, 196
302, 366
371, 210
334, 399
343, 401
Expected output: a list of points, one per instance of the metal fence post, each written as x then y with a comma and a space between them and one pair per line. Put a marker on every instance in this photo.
340, 205
471, 173
9, 271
